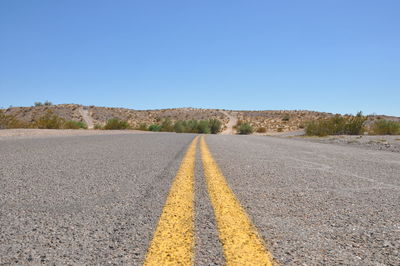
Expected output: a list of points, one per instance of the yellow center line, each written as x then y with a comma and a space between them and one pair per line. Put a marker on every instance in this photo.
173, 240
241, 242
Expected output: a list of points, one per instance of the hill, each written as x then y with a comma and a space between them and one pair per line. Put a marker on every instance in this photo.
266, 121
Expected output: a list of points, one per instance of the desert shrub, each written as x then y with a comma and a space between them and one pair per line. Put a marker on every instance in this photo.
116, 123
191, 126
71, 124
337, 125
97, 126
355, 124
143, 127
188, 126
49, 121
385, 127
286, 117
238, 124
10, 121
179, 126
261, 130
245, 129
203, 127
318, 128
154, 127
215, 126
46, 103
167, 126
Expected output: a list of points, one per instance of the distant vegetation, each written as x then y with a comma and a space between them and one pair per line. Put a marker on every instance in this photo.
97, 126
337, 125
49, 121
9, 121
154, 127
74, 125
115, 123
245, 129
286, 117
46, 103
212, 126
385, 127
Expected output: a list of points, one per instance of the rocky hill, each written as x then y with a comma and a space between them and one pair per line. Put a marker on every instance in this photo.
270, 121
100, 115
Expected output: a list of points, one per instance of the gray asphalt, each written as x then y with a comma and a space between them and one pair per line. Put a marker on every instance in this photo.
84, 199
313, 203
97, 199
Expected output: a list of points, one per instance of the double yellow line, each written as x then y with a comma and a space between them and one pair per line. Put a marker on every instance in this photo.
173, 241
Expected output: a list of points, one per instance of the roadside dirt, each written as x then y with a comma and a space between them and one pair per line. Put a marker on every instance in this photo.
231, 123
33, 133
86, 117
383, 142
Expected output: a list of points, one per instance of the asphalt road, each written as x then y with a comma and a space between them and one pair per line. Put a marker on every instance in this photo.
98, 199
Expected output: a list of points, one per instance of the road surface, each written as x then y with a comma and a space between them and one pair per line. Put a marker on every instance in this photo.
151, 198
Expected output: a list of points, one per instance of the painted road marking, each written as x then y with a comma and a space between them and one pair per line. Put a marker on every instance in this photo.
173, 240
240, 240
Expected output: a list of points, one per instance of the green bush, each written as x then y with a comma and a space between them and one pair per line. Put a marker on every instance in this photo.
116, 123
46, 103
49, 121
337, 125
385, 127
179, 126
167, 126
212, 126
154, 127
192, 126
215, 126
203, 127
286, 117
74, 125
245, 129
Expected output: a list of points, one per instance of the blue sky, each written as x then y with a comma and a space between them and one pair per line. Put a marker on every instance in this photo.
338, 56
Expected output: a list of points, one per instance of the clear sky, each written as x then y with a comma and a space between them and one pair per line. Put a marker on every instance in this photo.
338, 56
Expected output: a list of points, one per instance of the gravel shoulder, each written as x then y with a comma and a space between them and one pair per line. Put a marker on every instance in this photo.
382, 143
23, 133
314, 203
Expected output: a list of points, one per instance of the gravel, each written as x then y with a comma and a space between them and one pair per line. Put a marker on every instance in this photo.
313, 203
380, 143
24, 133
